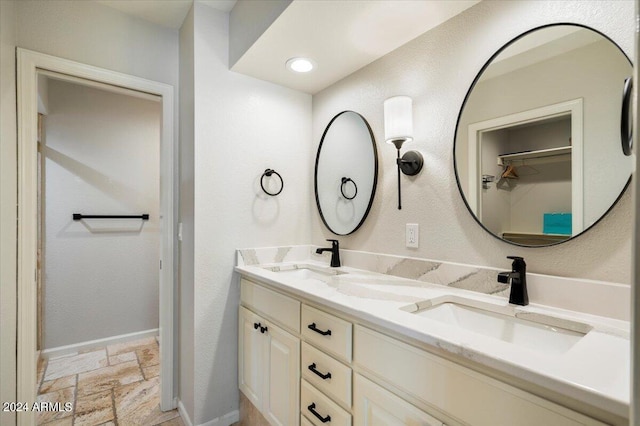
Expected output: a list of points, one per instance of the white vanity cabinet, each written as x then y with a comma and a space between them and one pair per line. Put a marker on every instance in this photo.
311, 366
461, 393
269, 358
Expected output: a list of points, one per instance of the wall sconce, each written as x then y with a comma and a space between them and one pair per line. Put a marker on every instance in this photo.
398, 129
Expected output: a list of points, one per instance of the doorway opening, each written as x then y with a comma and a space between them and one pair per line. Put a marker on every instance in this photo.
95, 293
98, 306
526, 174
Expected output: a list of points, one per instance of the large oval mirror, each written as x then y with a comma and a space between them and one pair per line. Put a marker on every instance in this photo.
537, 148
346, 173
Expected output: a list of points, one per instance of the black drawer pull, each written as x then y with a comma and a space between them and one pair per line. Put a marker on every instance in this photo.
312, 326
312, 408
264, 329
312, 367
256, 325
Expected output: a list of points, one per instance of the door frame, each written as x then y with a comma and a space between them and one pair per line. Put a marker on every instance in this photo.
574, 108
29, 63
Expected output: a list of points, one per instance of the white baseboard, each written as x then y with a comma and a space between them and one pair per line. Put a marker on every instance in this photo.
183, 414
226, 420
83, 346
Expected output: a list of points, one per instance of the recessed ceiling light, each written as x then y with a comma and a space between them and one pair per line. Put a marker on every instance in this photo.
300, 64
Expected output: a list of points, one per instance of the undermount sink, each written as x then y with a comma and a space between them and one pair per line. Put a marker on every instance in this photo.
305, 272
538, 332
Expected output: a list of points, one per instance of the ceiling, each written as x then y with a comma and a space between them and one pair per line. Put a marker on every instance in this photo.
168, 13
340, 36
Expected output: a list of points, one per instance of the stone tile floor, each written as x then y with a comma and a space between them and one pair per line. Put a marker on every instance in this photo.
115, 385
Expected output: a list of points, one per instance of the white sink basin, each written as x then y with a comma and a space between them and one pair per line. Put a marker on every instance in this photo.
305, 272
541, 332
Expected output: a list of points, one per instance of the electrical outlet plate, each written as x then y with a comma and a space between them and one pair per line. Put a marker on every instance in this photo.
412, 235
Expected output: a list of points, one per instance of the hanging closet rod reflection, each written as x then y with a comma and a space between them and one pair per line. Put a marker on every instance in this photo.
80, 216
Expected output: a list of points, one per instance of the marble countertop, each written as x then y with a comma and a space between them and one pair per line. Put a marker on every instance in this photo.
595, 370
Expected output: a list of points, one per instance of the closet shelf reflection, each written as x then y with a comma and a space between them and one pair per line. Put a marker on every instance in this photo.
542, 155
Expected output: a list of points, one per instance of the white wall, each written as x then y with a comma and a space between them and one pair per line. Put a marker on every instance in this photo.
186, 351
101, 277
242, 127
94, 34
436, 70
249, 20
7, 207
83, 31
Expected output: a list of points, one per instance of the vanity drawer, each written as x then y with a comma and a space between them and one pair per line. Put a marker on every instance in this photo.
281, 309
304, 421
327, 332
312, 400
439, 383
338, 385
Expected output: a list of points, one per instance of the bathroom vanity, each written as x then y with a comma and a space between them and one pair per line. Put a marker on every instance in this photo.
321, 345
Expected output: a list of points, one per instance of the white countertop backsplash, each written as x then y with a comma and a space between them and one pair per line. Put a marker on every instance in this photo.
600, 298
596, 370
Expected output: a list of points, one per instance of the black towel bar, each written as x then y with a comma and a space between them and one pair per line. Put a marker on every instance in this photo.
80, 216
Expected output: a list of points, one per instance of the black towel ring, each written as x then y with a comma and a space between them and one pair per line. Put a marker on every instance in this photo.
269, 172
344, 182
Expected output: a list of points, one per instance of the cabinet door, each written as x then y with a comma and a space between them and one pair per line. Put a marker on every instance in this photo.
251, 356
282, 387
375, 406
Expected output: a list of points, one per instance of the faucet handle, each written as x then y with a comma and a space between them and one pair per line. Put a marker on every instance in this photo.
333, 242
518, 263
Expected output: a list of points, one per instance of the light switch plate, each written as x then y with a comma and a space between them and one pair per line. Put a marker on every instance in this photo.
412, 235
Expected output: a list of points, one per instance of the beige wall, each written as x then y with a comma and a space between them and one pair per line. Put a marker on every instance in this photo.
8, 174
436, 70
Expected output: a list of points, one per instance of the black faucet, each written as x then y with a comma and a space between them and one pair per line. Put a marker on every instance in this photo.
335, 252
518, 277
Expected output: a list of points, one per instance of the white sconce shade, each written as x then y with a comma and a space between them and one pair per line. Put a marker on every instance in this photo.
398, 120
398, 129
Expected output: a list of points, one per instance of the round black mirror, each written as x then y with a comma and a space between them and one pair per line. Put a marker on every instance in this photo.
346, 173
537, 148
